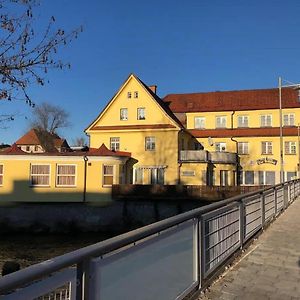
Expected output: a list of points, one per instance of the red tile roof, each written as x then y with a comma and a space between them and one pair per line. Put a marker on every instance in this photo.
104, 151
29, 138
13, 150
243, 132
232, 100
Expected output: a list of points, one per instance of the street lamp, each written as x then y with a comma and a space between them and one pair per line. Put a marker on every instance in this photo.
280, 86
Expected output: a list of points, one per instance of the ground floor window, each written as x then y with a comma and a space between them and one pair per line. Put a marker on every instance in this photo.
157, 176
224, 177
291, 175
40, 175
66, 175
266, 177
247, 177
1, 175
108, 175
149, 175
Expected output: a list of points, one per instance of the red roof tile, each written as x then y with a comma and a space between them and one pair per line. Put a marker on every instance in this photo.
243, 132
29, 138
104, 151
232, 100
13, 150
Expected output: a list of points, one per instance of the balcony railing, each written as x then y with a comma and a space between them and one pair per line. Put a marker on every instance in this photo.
205, 156
194, 155
222, 157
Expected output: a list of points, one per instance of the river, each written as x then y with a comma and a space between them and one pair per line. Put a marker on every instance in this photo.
29, 249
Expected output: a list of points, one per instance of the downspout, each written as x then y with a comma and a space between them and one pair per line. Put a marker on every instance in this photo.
236, 151
85, 158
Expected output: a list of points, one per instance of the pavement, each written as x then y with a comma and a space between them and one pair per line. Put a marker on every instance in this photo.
270, 268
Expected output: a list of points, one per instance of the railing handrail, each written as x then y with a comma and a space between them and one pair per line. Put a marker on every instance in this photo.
37, 271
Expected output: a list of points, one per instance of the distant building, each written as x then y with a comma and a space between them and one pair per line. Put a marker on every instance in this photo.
40, 141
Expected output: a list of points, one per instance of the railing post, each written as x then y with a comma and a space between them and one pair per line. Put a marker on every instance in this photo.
263, 210
198, 245
82, 280
275, 199
242, 223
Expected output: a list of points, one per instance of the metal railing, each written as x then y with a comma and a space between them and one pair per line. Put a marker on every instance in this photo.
169, 259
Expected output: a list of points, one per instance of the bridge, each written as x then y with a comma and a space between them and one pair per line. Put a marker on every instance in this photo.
178, 257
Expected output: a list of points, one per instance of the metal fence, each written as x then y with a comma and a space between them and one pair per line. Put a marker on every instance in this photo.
169, 259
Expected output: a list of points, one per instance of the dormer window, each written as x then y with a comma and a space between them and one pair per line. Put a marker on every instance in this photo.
136, 94
128, 95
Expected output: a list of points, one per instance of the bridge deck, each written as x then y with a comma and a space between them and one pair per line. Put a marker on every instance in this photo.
270, 269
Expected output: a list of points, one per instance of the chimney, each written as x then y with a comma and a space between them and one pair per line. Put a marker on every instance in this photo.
153, 88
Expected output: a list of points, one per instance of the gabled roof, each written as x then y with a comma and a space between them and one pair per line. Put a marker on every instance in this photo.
159, 101
49, 141
101, 151
232, 100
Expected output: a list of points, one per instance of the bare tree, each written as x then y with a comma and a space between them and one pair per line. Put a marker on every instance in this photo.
48, 117
26, 56
80, 142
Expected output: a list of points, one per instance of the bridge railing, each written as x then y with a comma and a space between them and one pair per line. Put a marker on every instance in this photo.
169, 259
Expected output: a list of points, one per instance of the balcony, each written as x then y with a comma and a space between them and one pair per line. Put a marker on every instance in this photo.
194, 155
222, 157
205, 156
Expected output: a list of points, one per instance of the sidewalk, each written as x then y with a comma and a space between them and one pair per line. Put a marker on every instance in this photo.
270, 269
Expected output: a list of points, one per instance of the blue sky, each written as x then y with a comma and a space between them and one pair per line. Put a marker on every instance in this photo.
182, 46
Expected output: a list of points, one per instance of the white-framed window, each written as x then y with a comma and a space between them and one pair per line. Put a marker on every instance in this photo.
266, 147
289, 120
39, 175
221, 122
108, 175
290, 147
115, 143
291, 175
150, 143
247, 177
224, 177
141, 113
265, 120
1, 175
243, 121
157, 176
220, 147
123, 114
266, 177
200, 122
66, 175
243, 148
138, 175
128, 95
136, 94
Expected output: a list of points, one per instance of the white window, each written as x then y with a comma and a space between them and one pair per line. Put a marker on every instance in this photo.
266, 148
289, 120
243, 148
220, 147
136, 94
141, 113
150, 143
157, 176
224, 177
243, 121
115, 143
108, 175
221, 122
200, 122
139, 176
123, 114
266, 177
290, 147
40, 175
66, 175
1, 175
128, 95
265, 120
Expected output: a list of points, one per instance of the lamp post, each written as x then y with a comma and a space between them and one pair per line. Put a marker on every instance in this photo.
280, 86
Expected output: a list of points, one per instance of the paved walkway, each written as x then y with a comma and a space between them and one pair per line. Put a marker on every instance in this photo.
270, 269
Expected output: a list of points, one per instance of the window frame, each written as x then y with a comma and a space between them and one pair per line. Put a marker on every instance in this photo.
138, 115
203, 122
289, 119
290, 147
221, 117
1, 174
266, 120
150, 143
243, 152
268, 144
124, 109
135, 94
65, 175
219, 143
129, 95
114, 143
40, 175
242, 118
108, 175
